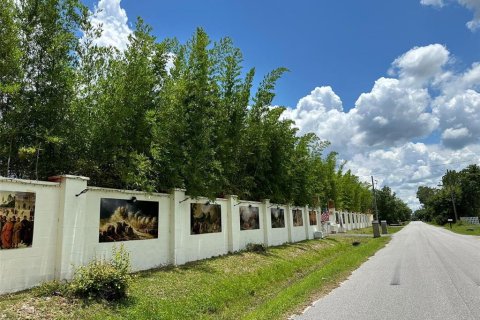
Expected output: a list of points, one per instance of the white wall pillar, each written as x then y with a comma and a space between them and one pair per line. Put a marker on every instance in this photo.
306, 223
71, 225
178, 206
233, 224
341, 219
289, 221
266, 219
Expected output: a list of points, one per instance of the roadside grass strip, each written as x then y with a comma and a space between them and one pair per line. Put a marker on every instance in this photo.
369, 230
243, 285
464, 228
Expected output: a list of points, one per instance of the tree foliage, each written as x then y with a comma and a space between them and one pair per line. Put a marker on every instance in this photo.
463, 187
390, 207
156, 116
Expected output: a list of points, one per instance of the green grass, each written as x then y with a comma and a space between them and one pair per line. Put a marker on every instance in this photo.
369, 230
464, 228
237, 286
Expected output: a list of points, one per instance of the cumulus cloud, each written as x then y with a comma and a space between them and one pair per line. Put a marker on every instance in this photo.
424, 97
459, 117
421, 64
322, 112
393, 113
114, 24
473, 5
408, 166
435, 3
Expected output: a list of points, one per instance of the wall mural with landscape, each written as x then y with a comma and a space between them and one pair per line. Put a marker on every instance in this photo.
124, 220
278, 217
249, 218
205, 218
17, 213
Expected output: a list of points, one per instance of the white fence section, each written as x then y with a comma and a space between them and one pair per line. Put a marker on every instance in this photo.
66, 220
471, 220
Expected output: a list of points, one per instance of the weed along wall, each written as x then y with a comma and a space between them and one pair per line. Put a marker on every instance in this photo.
49, 228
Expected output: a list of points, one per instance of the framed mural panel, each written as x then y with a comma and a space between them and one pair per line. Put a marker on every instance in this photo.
297, 217
278, 217
17, 214
205, 218
312, 217
249, 218
125, 220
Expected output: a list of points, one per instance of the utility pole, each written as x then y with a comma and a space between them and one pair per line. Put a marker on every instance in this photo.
454, 206
375, 200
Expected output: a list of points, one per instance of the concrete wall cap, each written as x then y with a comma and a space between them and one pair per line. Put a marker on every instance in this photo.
36, 182
68, 176
100, 189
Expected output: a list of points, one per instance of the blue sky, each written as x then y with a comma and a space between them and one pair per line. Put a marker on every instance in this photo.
392, 84
344, 44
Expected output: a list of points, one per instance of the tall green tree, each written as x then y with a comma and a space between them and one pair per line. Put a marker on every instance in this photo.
40, 119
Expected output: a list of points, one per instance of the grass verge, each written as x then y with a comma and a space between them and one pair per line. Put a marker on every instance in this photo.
463, 228
245, 285
369, 230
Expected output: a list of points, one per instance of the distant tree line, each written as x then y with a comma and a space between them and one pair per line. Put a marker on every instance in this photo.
461, 188
390, 207
127, 120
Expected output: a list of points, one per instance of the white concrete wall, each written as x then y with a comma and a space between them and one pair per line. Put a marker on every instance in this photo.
144, 254
298, 233
311, 229
26, 267
201, 246
67, 221
277, 236
248, 236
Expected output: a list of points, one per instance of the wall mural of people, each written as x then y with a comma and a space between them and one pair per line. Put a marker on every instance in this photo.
312, 215
297, 217
205, 218
125, 220
278, 217
17, 214
249, 218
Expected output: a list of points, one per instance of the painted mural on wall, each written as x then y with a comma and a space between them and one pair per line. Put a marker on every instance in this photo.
297, 218
249, 218
205, 218
17, 214
278, 217
124, 220
312, 216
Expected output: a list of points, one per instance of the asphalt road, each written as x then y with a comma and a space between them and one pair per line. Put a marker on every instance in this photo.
425, 272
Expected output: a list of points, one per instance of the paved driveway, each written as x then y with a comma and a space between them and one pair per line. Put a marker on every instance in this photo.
425, 272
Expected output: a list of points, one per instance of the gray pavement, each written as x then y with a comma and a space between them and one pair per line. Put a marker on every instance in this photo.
425, 272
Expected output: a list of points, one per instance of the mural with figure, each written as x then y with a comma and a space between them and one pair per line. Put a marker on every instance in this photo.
312, 215
249, 218
205, 218
297, 217
278, 217
124, 220
17, 214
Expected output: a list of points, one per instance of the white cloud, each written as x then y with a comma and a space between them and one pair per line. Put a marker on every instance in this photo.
322, 112
376, 135
392, 113
114, 23
473, 5
435, 3
421, 64
459, 118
